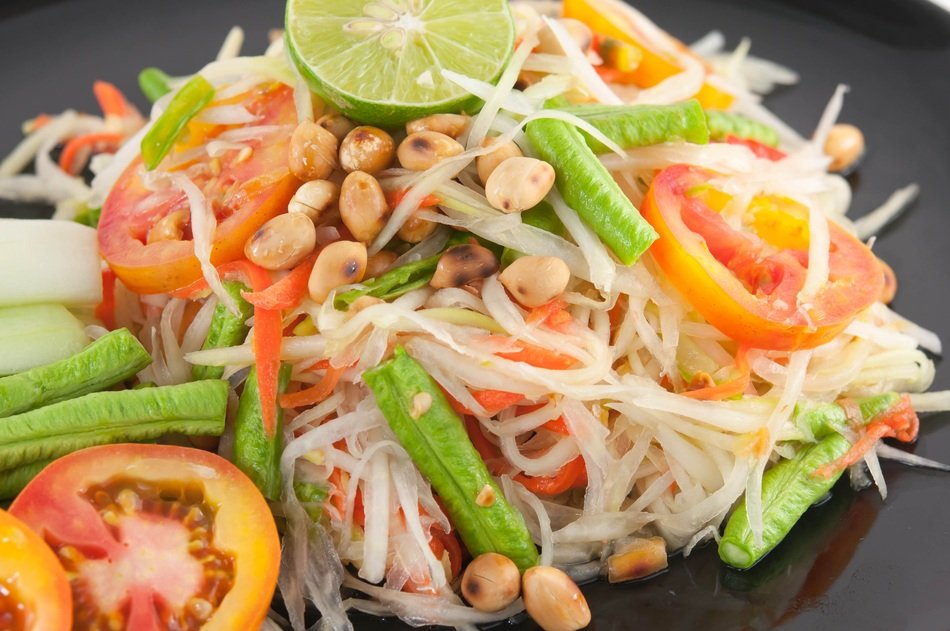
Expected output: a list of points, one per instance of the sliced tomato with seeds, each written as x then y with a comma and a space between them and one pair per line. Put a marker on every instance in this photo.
747, 281
156, 537
34, 591
243, 189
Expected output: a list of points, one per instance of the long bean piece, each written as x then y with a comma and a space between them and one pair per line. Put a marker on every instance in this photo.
227, 329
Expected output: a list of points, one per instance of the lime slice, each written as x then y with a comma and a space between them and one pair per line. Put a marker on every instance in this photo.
380, 61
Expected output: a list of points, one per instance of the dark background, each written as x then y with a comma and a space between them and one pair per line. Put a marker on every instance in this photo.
855, 561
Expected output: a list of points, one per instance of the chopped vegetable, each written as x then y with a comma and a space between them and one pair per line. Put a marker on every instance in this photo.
257, 448
437, 441
392, 284
227, 329
154, 83
185, 105
590, 190
99, 418
643, 125
35, 335
722, 125
111, 359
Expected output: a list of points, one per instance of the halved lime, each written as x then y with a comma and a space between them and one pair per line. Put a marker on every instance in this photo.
380, 61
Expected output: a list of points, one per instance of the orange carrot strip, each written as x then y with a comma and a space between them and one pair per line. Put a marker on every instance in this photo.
730, 388
494, 401
554, 314
394, 197
105, 310
488, 451
558, 426
571, 475
111, 100
539, 357
77, 150
314, 394
288, 291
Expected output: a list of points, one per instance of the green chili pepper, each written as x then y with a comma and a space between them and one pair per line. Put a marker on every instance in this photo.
13, 480
643, 125
154, 84
394, 283
590, 190
191, 99
114, 357
312, 497
791, 486
541, 216
226, 329
195, 409
255, 453
435, 438
725, 124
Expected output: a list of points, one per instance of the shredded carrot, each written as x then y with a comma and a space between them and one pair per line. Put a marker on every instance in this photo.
899, 422
558, 426
110, 98
538, 357
572, 475
761, 150
442, 542
241, 269
288, 291
494, 401
77, 150
730, 388
488, 451
105, 310
613, 75
340, 479
554, 314
37, 123
314, 394
394, 197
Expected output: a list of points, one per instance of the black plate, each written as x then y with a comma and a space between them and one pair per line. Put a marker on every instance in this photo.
854, 562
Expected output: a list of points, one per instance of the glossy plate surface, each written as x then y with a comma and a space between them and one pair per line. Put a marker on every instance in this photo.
854, 562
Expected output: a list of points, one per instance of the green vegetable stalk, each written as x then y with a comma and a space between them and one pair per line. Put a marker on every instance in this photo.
185, 105
112, 358
154, 84
791, 486
255, 453
643, 125
227, 329
590, 190
13, 480
100, 418
433, 434
725, 124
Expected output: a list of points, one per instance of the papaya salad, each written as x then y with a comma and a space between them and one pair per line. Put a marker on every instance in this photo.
435, 309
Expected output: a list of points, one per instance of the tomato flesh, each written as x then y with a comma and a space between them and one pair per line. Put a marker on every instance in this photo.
244, 191
156, 537
34, 590
746, 282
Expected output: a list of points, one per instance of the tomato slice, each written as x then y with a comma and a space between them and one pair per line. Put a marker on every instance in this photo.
156, 537
34, 590
243, 191
746, 282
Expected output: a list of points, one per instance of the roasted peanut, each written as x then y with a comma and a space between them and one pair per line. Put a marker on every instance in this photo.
336, 124
845, 146
579, 32
313, 199
425, 149
363, 206
462, 264
282, 242
379, 263
340, 263
637, 559
416, 229
553, 600
486, 164
452, 125
171, 227
368, 149
519, 184
536, 280
312, 152
491, 582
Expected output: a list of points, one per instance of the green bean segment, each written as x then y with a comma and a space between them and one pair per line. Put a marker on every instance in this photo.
429, 429
725, 124
227, 329
788, 489
12, 481
255, 453
99, 418
114, 357
643, 125
590, 190
154, 83
185, 105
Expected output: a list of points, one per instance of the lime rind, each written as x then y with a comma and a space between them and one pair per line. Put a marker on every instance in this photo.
390, 74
